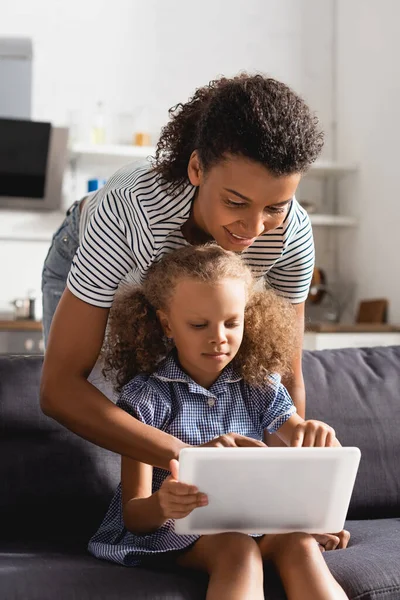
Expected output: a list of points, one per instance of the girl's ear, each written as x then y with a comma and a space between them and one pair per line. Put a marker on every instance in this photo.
163, 318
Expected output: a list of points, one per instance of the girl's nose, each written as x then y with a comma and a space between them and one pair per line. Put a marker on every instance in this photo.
218, 336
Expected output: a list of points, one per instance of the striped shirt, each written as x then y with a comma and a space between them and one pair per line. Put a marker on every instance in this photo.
134, 220
173, 402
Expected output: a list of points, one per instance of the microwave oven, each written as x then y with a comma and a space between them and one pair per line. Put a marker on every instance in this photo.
33, 158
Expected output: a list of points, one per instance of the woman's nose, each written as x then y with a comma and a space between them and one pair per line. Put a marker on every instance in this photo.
255, 225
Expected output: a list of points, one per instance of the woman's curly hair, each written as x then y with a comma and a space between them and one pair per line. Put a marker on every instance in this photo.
249, 115
135, 341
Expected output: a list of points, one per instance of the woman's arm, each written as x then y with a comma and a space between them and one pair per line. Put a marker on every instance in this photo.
75, 341
295, 382
144, 512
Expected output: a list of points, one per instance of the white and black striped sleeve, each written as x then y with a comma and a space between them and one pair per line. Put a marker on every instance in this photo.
117, 239
291, 275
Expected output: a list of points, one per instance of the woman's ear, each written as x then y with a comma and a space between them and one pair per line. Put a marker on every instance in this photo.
194, 169
163, 318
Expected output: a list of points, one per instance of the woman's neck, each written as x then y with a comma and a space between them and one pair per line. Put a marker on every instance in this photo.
193, 234
192, 230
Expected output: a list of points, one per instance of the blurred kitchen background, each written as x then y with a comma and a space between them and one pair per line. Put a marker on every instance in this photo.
106, 74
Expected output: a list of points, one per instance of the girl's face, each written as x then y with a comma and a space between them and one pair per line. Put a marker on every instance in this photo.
206, 323
238, 200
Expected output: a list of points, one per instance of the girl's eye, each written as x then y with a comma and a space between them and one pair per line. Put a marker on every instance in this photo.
232, 324
198, 325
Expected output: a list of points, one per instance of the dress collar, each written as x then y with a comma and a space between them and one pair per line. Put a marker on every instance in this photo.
170, 370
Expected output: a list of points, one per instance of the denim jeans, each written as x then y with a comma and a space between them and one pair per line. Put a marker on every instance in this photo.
56, 267
57, 264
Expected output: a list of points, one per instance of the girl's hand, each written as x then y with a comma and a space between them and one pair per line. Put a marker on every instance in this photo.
178, 499
313, 433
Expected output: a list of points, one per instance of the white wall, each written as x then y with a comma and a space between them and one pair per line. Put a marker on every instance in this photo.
369, 132
131, 53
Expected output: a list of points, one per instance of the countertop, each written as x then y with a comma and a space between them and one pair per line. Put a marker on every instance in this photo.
30, 325
20, 325
351, 328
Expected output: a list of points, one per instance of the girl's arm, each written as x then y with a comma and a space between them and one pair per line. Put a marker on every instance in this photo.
141, 509
298, 432
144, 512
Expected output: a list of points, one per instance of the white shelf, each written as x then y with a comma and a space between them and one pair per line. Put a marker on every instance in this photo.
320, 167
332, 220
111, 151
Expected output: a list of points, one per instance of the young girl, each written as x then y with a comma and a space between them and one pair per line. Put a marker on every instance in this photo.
198, 353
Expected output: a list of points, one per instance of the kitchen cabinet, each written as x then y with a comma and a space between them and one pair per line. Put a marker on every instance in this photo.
324, 340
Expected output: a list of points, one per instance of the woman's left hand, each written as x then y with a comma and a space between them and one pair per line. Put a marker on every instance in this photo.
313, 434
332, 541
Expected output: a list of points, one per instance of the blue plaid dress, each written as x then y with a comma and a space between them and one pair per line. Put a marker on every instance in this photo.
171, 401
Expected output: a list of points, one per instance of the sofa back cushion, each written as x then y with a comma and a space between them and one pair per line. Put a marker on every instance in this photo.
54, 485
357, 391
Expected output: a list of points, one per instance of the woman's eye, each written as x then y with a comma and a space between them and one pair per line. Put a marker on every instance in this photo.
235, 204
276, 210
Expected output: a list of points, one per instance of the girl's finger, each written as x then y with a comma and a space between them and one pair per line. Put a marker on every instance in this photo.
184, 510
181, 489
174, 468
195, 499
175, 511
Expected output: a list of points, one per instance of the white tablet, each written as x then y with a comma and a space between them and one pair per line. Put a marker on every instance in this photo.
269, 490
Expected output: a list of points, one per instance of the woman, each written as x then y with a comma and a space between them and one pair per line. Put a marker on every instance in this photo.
227, 168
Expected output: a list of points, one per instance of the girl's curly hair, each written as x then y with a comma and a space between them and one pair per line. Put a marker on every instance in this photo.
249, 115
135, 341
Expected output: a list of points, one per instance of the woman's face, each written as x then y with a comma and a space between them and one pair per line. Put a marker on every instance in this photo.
239, 200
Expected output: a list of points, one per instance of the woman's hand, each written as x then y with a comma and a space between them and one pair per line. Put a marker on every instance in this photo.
233, 440
178, 499
313, 434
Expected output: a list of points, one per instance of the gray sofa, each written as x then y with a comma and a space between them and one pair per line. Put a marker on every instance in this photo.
55, 488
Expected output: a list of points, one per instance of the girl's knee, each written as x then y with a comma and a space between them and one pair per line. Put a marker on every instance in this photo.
238, 548
298, 546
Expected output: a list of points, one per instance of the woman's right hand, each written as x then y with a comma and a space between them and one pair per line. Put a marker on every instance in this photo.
233, 440
178, 499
